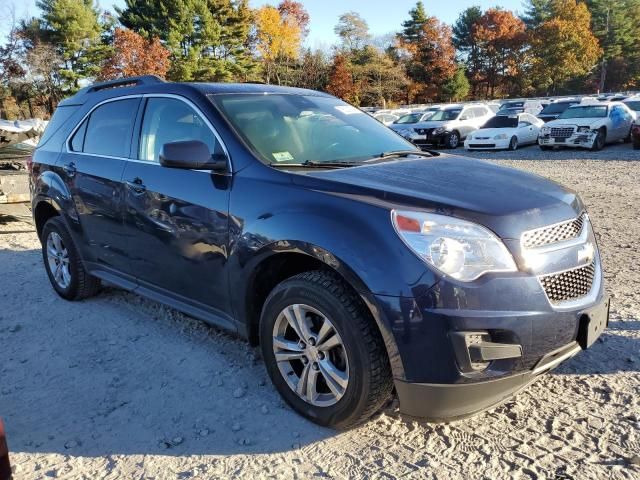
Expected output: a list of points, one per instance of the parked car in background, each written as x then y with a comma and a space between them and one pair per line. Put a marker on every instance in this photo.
405, 125
362, 266
451, 125
385, 118
635, 136
533, 107
554, 109
634, 104
588, 125
505, 132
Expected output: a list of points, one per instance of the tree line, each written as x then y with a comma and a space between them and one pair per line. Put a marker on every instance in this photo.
554, 47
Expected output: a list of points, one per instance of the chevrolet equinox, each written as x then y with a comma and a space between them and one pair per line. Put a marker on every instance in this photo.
362, 266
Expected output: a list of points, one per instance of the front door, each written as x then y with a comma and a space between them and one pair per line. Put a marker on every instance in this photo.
92, 168
177, 220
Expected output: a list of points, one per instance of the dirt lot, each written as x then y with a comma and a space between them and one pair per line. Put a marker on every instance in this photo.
121, 387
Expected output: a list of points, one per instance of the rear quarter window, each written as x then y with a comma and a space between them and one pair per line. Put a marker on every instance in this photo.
59, 118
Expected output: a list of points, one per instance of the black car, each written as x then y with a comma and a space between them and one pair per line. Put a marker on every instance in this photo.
362, 266
553, 110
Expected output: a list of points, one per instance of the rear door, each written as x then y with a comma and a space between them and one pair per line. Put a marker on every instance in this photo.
91, 165
177, 220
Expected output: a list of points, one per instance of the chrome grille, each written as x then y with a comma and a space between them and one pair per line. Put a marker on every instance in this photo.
569, 285
561, 132
553, 233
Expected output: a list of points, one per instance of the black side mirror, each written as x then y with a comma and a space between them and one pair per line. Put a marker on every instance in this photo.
191, 155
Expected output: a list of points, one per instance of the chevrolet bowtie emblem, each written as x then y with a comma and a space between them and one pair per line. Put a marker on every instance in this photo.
586, 254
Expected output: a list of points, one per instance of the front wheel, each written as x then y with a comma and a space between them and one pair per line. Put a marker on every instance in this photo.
453, 140
599, 142
323, 351
513, 143
63, 263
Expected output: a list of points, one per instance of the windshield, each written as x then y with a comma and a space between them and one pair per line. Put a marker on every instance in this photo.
587, 111
410, 118
501, 121
556, 107
511, 105
445, 115
633, 105
284, 128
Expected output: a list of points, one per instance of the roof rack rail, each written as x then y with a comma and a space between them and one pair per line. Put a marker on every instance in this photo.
123, 82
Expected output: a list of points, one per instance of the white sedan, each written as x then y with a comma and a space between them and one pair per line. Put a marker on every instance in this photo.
505, 132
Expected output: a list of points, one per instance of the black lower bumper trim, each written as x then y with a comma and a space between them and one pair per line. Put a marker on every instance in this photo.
447, 402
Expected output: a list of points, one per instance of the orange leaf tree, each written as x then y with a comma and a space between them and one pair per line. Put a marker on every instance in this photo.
430, 56
340, 79
134, 55
500, 38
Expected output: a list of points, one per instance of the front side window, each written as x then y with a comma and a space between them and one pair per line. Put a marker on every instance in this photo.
633, 105
109, 128
291, 129
169, 120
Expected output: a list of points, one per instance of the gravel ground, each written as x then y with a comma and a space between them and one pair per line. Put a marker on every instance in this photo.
121, 387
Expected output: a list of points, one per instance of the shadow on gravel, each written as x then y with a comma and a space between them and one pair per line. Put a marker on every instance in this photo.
613, 352
117, 374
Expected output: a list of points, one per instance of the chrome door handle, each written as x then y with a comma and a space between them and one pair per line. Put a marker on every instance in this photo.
70, 169
136, 185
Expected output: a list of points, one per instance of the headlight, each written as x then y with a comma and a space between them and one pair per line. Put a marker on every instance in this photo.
440, 130
500, 136
460, 249
584, 129
545, 130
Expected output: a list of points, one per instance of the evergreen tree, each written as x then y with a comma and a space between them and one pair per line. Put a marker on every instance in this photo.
465, 42
536, 12
208, 39
457, 87
413, 28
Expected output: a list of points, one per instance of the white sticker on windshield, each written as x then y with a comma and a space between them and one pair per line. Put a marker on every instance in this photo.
282, 156
348, 109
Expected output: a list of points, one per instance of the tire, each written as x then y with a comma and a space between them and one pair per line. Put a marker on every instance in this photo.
599, 142
627, 139
359, 357
453, 140
513, 143
76, 283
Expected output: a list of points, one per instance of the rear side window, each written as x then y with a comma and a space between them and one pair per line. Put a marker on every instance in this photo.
108, 131
169, 120
60, 116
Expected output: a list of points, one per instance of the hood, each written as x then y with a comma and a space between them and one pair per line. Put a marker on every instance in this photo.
431, 124
492, 132
506, 200
402, 126
582, 122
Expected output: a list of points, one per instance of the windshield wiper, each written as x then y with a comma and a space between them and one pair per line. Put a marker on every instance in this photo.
316, 164
400, 153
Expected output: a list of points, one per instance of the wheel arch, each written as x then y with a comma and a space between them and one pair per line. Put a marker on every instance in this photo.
272, 268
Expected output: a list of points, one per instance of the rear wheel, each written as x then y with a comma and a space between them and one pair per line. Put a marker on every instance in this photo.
513, 143
63, 263
323, 350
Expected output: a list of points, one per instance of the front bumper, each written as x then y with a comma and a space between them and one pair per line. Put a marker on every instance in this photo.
576, 140
431, 139
488, 144
440, 402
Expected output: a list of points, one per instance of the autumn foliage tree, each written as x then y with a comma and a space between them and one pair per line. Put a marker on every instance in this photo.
563, 46
134, 55
278, 41
500, 39
430, 56
340, 79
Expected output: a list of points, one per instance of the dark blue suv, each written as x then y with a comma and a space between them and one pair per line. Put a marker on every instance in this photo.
360, 264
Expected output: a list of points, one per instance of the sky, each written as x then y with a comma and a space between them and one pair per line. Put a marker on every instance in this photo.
383, 16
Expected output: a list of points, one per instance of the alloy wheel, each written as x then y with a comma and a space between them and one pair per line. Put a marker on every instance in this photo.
310, 355
58, 260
